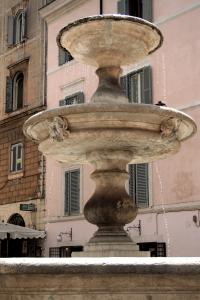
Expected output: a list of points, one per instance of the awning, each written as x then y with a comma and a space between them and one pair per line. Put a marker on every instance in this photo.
19, 232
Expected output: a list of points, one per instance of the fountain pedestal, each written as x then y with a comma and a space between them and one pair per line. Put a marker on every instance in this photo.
109, 132
110, 207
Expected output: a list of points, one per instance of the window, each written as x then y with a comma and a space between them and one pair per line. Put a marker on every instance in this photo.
16, 157
17, 28
137, 87
54, 252
64, 251
137, 8
139, 184
72, 192
14, 92
63, 56
156, 249
18, 87
73, 99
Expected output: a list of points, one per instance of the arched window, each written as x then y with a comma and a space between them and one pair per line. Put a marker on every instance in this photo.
16, 219
18, 24
18, 90
16, 28
19, 27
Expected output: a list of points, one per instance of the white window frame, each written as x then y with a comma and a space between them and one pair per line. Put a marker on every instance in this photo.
61, 209
17, 159
71, 214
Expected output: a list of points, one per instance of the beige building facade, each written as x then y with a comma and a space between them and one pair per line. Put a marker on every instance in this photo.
22, 94
166, 192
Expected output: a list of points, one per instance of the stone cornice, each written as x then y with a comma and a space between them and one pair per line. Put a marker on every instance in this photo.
58, 8
103, 266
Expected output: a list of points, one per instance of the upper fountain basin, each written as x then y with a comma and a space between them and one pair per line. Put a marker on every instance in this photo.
110, 40
70, 133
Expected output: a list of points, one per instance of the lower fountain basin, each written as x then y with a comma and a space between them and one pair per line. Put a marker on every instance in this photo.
69, 133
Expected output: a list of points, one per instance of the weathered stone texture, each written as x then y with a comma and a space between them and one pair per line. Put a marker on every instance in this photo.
105, 278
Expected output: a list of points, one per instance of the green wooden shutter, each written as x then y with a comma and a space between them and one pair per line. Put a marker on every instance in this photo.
63, 56
10, 30
124, 85
72, 192
75, 192
67, 193
142, 185
146, 85
80, 98
133, 87
123, 7
139, 184
138, 86
62, 102
9, 95
147, 10
24, 24
131, 171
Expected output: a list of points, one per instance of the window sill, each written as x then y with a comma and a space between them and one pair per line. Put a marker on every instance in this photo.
17, 44
65, 218
68, 62
15, 175
27, 108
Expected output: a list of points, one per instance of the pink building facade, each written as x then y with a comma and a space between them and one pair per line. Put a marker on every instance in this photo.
168, 221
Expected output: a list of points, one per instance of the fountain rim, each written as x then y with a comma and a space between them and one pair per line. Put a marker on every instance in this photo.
85, 108
114, 17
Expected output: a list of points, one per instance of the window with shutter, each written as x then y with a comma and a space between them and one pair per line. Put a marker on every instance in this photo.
137, 8
14, 92
16, 157
18, 90
139, 184
17, 28
142, 185
63, 56
77, 98
138, 86
72, 192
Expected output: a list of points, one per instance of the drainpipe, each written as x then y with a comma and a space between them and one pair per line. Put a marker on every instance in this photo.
101, 7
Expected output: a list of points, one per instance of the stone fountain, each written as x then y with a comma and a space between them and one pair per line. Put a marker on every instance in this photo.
109, 132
